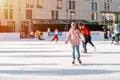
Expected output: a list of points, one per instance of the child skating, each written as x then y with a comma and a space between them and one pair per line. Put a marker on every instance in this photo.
55, 37
39, 34
74, 36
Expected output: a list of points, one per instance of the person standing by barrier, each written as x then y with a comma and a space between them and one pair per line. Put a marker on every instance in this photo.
86, 32
105, 34
74, 37
117, 32
48, 30
55, 37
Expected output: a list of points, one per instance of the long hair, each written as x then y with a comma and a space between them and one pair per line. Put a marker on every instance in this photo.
77, 27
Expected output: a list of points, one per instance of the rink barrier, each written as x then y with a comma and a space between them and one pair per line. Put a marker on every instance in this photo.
52, 33
96, 36
9, 36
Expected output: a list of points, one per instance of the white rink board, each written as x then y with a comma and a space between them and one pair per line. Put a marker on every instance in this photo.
7, 36
96, 36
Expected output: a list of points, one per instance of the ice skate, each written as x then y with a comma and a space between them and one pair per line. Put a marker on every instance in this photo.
79, 60
73, 62
94, 49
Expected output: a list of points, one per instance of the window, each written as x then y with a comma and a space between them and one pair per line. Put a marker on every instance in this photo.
94, 16
118, 5
59, 4
56, 12
29, 3
11, 13
73, 2
107, 6
6, 13
11, 24
118, 2
94, 6
72, 14
72, 5
39, 3
10, 3
28, 14
52, 14
109, 0
6, 3
24, 26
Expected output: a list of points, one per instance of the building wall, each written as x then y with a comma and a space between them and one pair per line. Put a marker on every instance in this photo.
82, 11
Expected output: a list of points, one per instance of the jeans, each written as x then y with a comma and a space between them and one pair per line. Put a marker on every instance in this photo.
117, 37
113, 38
73, 51
84, 45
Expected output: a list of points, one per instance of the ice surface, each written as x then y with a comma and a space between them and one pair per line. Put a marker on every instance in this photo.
31, 59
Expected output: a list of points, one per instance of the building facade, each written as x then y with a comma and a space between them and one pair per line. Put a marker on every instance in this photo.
21, 15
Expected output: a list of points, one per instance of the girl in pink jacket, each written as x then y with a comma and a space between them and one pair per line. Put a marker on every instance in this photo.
74, 36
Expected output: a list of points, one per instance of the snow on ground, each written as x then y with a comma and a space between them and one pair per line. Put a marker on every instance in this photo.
40, 60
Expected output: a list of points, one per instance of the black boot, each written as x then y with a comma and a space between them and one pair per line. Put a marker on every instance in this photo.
73, 62
79, 60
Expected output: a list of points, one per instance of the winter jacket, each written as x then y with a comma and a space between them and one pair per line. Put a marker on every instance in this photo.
117, 29
74, 37
85, 31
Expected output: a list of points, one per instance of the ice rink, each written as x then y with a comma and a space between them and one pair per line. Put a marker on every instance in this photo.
31, 59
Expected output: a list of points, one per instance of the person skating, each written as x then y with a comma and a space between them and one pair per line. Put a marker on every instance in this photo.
105, 34
112, 37
74, 36
86, 32
39, 34
55, 37
117, 32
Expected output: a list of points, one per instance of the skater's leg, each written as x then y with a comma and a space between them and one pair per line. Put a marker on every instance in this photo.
94, 48
84, 47
78, 58
73, 54
56, 38
91, 43
73, 51
78, 51
53, 38
112, 40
